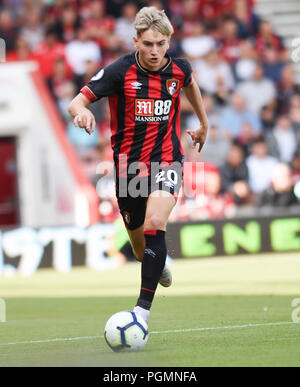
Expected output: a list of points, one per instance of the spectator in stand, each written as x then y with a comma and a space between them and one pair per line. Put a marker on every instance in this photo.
114, 7
236, 115
104, 128
59, 77
287, 88
90, 159
281, 192
206, 201
99, 26
258, 92
20, 8
9, 29
230, 42
211, 109
84, 9
54, 10
105, 182
214, 9
175, 13
247, 20
159, 4
48, 51
198, 43
295, 165
266, 38
216, 147
67, 25
79, 52
282, 141
294, 113
245, 66
82, 144
175, 7
217, 143
273, 65
213, 204
33, 30
21, 52
213, 75
268, 118
125, 25
260, 166
235, 175
92, 68
245, 138
62, 87
189, 15
66, 94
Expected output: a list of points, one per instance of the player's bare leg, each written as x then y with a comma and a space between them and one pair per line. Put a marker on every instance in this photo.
138, 242
159, 207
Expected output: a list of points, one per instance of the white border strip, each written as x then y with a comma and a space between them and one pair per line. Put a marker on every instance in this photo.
155, 333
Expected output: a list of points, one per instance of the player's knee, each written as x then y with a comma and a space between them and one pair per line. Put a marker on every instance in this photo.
155, 223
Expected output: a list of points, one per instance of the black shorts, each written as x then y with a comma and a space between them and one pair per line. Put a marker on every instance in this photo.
132, 193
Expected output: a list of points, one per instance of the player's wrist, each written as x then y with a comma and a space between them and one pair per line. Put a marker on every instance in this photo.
203, 128
204, 124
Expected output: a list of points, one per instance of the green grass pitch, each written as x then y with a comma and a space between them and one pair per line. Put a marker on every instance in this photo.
234, 311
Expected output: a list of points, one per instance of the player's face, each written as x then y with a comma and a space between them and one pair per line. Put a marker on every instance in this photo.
152, 47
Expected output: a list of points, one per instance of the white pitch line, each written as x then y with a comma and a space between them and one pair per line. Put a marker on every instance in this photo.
229, 327
54, 340
155, 333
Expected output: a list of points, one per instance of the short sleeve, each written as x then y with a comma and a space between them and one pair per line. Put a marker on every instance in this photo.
105, 82
185, 66
188, 73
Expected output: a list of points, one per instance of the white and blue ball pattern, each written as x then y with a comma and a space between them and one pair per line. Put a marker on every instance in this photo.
126, 331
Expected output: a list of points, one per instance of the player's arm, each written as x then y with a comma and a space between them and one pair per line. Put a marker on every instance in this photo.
193, 94
83, 117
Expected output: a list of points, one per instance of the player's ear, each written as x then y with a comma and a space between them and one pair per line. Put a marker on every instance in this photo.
135, 41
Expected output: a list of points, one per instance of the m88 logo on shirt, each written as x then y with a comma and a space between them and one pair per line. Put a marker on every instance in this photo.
152, 110
144, 107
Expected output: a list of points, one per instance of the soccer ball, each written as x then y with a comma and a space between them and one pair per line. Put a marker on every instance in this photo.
126, 331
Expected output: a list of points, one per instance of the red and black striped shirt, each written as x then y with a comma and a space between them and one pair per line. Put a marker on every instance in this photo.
145, 108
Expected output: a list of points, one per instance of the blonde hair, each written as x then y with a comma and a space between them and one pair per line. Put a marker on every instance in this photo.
151, 17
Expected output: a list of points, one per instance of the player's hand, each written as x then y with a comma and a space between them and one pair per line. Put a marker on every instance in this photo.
198, 137
85, 120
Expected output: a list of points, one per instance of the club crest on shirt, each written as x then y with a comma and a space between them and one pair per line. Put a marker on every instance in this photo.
172, 86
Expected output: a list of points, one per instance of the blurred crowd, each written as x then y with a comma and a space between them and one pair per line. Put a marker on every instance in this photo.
252, 156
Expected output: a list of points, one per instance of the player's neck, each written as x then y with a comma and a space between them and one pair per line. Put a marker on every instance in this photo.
155, 67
